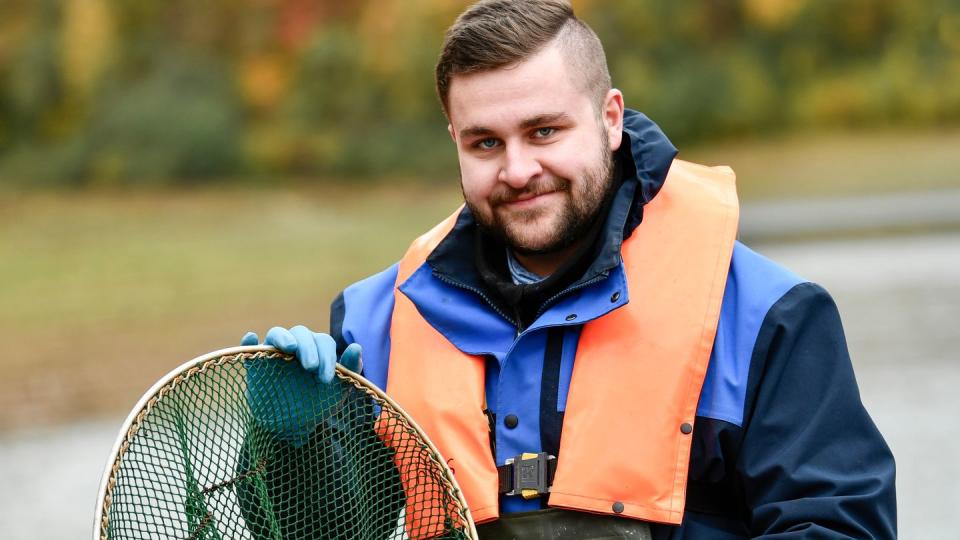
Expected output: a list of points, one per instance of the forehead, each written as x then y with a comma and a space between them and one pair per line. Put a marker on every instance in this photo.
503, 97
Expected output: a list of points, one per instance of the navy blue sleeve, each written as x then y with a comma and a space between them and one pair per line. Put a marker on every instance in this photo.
812, 464
337, 312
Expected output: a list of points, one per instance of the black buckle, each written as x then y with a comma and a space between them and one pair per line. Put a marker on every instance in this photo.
528, 475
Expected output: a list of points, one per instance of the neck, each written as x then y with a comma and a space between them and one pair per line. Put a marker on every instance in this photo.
545, 264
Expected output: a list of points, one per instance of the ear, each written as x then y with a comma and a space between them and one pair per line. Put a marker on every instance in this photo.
453, 134
612, 114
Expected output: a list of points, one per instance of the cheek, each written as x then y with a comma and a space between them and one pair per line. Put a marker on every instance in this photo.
569, 159
473, 193
566, 163
477, 179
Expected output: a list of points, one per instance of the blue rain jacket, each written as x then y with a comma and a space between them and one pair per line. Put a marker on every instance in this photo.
782, 445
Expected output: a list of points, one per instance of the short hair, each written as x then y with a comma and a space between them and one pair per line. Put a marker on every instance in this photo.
492, 34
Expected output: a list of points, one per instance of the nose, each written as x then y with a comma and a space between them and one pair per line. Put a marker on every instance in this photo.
519, 166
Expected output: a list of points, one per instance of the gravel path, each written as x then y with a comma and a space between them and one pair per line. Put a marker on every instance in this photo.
900, 299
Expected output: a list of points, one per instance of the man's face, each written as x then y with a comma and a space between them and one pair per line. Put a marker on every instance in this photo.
535, 154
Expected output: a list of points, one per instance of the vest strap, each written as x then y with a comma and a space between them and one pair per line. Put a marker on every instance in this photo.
527, 475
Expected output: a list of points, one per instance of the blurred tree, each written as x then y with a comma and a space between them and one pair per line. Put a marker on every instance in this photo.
179, 123
135, 91
87, 44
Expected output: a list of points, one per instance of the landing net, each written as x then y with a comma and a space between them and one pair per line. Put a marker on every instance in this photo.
244, 444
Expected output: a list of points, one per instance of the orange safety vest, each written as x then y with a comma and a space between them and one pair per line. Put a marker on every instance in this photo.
637, 374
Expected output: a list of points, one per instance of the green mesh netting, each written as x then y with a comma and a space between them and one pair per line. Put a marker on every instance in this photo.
247, 445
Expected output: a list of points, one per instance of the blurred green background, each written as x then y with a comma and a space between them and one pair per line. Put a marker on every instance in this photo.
175, 92
174, 173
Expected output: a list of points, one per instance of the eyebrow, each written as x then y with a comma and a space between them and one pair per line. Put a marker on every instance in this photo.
541, 119
475, 131
533, 121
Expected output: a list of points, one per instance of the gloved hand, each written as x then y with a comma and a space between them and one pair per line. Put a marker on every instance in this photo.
317, 352
290, 398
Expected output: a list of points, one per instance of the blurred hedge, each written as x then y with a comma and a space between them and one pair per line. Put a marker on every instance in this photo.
164, 91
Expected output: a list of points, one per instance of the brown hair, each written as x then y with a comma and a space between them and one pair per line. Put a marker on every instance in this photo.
492, 34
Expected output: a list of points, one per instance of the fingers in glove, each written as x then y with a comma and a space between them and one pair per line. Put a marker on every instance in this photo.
250, 338
327, 350
306, 348
352, 358
281, 339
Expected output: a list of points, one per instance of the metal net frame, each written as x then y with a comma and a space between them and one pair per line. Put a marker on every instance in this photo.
244, 444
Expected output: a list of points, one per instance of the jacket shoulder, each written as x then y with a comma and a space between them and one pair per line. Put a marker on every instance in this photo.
361, 314
754, 286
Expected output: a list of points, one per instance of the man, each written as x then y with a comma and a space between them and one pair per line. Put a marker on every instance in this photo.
589, 312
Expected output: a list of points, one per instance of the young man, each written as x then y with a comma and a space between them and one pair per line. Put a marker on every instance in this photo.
590, 305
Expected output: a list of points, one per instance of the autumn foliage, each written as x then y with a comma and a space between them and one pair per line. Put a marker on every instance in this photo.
117, 92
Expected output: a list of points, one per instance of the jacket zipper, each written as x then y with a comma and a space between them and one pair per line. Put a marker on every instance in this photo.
516, 321
550, 300
479, 293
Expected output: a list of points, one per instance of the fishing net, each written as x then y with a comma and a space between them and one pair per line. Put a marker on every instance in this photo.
243, 443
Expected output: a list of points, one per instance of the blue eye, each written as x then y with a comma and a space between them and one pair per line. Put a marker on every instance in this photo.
487, 144
545, 132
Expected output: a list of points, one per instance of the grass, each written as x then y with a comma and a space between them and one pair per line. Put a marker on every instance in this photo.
102, 293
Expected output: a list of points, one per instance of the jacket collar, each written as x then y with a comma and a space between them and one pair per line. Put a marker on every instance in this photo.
650, 153
645, 156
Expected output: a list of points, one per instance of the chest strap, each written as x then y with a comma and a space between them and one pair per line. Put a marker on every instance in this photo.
527, 475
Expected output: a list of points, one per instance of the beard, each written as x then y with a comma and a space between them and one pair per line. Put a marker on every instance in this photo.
531, 231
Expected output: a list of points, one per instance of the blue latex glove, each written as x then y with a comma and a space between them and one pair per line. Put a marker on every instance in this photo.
317, 352
306, 390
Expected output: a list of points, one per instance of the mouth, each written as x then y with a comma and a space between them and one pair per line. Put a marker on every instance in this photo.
527, 199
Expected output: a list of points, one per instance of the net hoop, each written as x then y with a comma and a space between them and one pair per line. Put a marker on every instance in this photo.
132, 424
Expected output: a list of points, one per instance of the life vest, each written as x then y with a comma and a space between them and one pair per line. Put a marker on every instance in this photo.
637, 373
